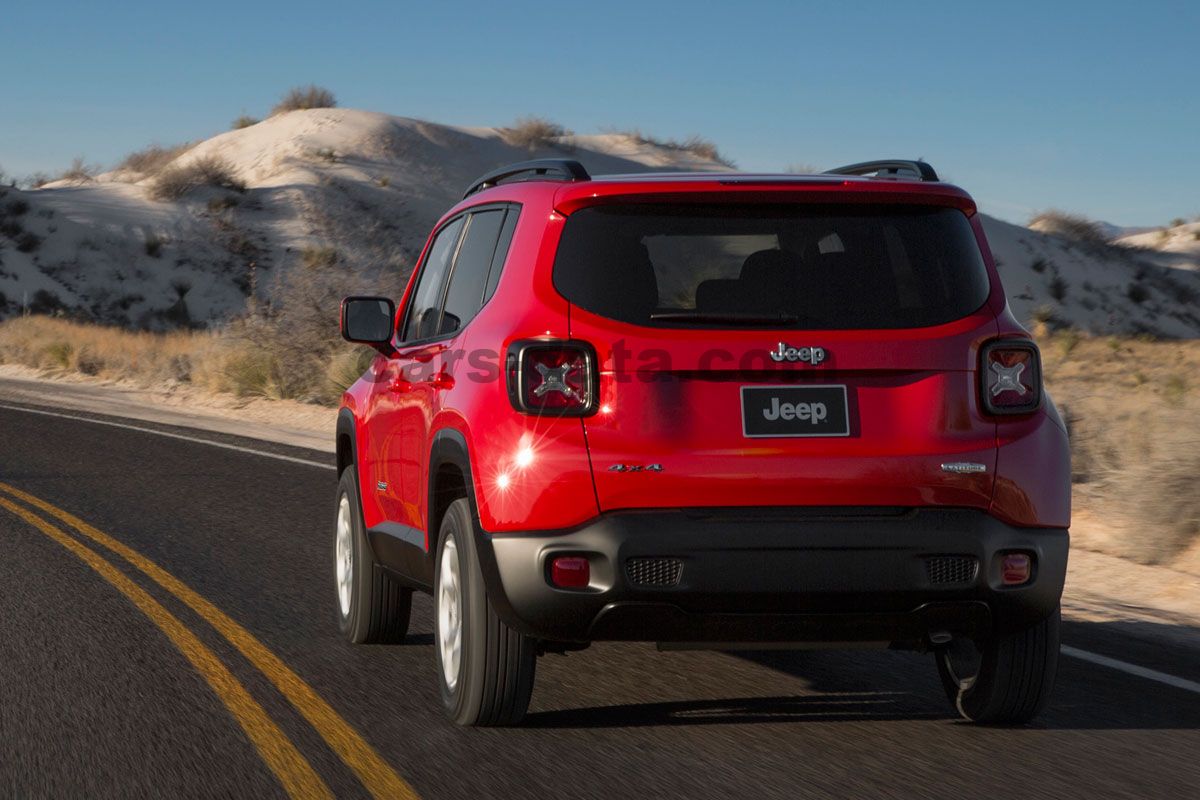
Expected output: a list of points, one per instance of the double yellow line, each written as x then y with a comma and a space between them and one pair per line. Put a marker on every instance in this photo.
292, 770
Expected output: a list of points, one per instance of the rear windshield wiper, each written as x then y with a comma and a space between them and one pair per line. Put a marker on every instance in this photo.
725, 317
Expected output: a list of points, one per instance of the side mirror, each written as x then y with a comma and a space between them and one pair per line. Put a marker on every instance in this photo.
368, 320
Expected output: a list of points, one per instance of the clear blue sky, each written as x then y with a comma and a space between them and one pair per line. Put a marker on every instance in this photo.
1092, 107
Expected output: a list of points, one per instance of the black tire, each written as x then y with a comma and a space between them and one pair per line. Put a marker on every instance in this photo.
379, 606
1013, 674
496, 664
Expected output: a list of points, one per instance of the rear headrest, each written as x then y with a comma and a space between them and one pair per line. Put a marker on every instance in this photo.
771, 266
618, 281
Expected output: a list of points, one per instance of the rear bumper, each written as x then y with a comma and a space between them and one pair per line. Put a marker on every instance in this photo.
777, 575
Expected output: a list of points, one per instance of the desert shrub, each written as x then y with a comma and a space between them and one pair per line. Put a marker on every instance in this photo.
1196, 235
28, 242
316, 258
88, 361
150, 160
534, 132
153, 246
79, 172
58, 354
1137, 293
1058, 288
326, 154
174, 182
16, 207
1038, 265
45, 302
1068, 339
290, 348
696, 145
244, 122
1070, 226
11, 228
1175, 389
226, 201
37, 180
304, 97
1175, 223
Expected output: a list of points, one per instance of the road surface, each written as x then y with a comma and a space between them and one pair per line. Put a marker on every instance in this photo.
167, 629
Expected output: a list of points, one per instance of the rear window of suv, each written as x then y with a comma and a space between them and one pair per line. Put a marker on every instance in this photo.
795, 266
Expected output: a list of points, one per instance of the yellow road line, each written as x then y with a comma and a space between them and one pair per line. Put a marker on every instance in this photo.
375, 774
293, 771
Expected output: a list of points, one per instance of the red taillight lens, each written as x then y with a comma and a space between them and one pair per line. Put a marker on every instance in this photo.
570, 572
1016, 569
555, 378
1011, 377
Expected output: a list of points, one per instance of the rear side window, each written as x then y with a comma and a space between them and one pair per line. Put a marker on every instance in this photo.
469, 278
506, 235
796, 266
424, 316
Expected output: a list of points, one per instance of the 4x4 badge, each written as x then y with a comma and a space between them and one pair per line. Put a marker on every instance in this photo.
810, 355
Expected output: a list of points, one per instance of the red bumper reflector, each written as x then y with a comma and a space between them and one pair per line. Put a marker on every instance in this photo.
1016, 569
570, 572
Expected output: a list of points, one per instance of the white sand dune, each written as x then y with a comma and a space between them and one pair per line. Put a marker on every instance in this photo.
371, 185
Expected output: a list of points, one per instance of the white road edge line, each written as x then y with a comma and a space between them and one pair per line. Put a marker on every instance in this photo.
1066, 650
1132, 669
181, 437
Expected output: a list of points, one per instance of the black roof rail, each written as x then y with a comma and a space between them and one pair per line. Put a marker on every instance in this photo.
541, 169
893, 168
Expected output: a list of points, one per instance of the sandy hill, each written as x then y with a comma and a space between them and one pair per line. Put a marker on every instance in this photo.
364, 188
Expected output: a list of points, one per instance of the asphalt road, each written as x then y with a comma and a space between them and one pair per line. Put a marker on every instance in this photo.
101, 694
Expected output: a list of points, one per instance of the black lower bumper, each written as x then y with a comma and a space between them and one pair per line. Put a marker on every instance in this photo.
776, 575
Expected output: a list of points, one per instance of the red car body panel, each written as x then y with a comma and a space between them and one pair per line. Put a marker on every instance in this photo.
914, 395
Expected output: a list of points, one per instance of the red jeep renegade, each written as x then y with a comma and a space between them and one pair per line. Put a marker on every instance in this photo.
705, 410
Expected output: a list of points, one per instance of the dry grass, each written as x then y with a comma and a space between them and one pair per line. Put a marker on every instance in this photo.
1070, 226
174, 182
114, 353
244, 121
79, 172
1132, 405
696, 145
302, 98
1135, 439
150, 160
535, 132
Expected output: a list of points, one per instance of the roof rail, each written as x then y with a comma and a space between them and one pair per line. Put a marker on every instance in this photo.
889, 169
548, 169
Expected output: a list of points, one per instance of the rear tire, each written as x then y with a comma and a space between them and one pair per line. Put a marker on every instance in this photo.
372, 606
1008, 678
485, 668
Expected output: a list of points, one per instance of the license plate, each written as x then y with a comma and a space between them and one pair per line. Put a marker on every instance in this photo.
789, 411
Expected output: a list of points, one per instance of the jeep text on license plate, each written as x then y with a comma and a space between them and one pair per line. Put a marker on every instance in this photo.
795, 411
